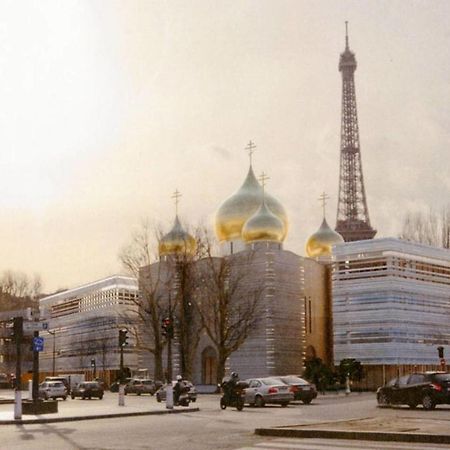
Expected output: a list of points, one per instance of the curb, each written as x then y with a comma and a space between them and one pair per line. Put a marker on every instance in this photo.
355, 435
95, 417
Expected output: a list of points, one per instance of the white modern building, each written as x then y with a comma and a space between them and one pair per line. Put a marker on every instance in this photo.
83, 326
391, 305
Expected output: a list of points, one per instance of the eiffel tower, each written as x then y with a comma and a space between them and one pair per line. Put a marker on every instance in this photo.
352, 221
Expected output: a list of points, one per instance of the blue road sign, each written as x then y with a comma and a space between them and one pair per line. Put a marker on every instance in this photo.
38, 344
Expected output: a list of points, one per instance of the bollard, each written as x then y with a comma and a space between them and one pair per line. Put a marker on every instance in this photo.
17, 404
30, 389
169, 396
347, 384
121, 395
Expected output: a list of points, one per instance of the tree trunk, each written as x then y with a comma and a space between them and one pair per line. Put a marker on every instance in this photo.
159, 373
221, 368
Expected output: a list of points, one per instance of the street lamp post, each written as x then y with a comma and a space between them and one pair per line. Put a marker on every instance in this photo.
53, 333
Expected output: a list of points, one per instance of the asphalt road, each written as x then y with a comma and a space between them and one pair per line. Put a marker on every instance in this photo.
209, 429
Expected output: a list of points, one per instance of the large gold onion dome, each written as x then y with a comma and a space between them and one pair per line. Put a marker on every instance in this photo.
237, 209
264, 225
322, 241
177, 241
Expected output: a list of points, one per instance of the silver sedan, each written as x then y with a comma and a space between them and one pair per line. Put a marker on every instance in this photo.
267, 390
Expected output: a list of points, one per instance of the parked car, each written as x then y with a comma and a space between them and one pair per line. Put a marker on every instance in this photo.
52, 389
140, 386
267, 390
302, 389
428, 389
4, 381
63, 380
88, 389
115, 386
192, 393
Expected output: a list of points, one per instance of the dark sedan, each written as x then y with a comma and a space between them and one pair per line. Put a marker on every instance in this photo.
88, 389
427, 389
302, 389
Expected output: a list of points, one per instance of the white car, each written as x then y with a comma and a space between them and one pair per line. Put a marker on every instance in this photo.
52, 389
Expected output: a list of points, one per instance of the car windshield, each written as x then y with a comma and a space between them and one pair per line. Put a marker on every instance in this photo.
442, 377
270, 381
147, 382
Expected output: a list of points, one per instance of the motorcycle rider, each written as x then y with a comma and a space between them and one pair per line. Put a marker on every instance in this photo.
230, 386
178, 389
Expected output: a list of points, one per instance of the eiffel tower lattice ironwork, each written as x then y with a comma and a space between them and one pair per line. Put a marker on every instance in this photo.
352, 221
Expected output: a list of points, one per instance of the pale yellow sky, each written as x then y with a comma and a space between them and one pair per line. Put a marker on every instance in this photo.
108, 106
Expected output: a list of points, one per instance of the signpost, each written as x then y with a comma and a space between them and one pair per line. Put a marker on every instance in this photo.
38, 344
35, 326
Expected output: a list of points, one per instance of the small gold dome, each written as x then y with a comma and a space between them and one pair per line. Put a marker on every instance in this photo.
321, 242
264, 225
177, 241
237, 209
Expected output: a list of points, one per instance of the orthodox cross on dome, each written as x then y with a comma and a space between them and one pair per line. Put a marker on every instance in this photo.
251, 146
323, 199
263, 179
176, 196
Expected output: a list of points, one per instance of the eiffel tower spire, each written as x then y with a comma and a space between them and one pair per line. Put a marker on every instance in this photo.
352, 214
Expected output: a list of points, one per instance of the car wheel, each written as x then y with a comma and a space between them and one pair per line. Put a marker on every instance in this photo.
138, 393
158, 399
89, 397
83, 398
100, 396
307, 401
193, 400
382, 399
412, 405
73, 397
284, 404
428, 402
45, 397
64, 398
259, 401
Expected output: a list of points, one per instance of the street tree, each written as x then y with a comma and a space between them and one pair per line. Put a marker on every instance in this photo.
145, 315
431, 228
227, 302
352, 368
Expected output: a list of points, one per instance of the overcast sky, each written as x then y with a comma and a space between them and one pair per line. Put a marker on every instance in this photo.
107, 106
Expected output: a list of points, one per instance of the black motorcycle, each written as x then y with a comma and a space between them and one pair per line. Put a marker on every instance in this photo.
183, 399
233, 396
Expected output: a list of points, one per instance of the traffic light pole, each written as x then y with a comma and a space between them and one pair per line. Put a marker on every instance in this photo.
18, 334
35, 389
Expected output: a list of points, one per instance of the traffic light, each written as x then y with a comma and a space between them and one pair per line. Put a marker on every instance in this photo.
93, 362
167, 327
123, 338
440, 352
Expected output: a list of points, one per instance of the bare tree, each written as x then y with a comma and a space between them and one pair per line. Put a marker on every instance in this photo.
428, 228
166, 290
148, 308
227, 303
18, 290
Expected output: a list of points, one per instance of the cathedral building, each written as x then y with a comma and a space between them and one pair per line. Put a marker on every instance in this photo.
293, 313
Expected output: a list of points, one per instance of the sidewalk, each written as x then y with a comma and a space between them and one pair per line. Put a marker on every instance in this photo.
402, 429
90, 410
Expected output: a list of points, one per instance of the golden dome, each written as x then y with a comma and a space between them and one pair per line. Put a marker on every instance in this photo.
321, 242
237, 209
177, 241
264, 225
